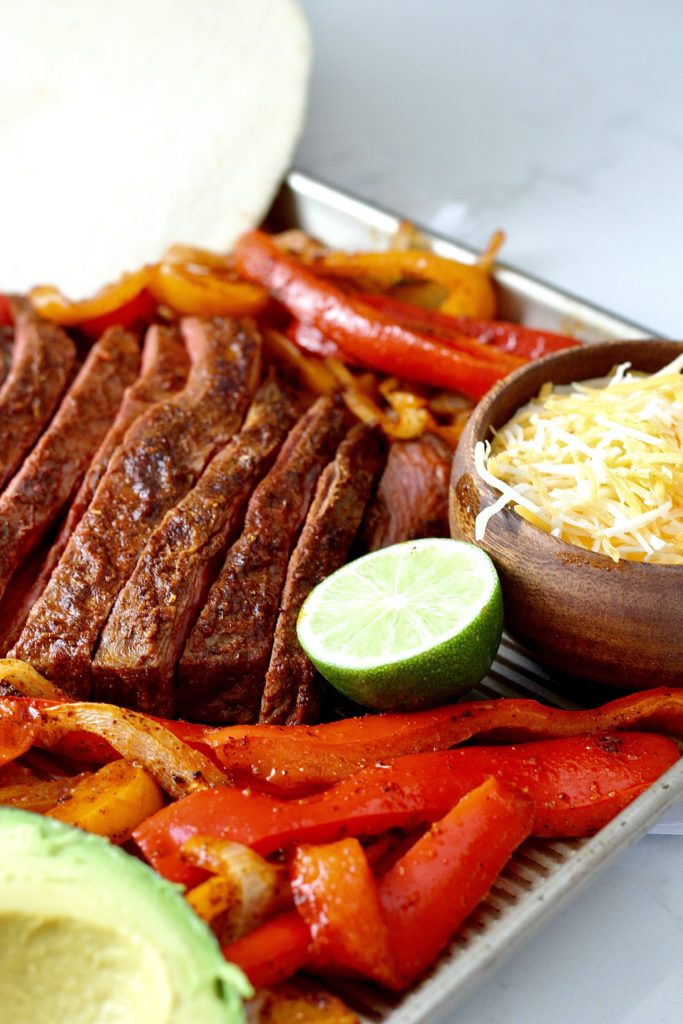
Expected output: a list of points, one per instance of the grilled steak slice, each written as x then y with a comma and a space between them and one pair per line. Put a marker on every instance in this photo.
145, 634
292, 689
37, 494
161, 456
42, 359
6, 350
222, 670
163, 371
412, 495
18, 598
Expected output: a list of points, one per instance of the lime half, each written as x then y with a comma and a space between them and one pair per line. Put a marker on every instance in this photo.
413, 625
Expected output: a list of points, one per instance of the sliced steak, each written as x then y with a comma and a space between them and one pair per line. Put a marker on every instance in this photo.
6, 350
222, 670
19, 596
161, 456
43, 356
163, 371
48, 477
145, 634
293, 686
412, 495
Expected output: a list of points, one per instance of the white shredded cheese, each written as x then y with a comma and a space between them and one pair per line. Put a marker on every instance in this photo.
597, 464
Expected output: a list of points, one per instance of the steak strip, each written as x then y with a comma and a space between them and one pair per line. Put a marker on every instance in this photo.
39, 491
42, 360
163, 370
16, 602
222, 670
160, 458
292, 689
145, 634
6, 350
412, 495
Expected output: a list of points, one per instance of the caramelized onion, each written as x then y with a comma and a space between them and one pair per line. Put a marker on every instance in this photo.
178, 768
20, 678
244, 891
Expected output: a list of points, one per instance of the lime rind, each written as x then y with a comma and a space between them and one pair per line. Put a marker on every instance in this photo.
353, 613
407, 626
410, 683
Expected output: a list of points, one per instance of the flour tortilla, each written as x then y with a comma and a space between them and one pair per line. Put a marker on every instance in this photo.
127, 126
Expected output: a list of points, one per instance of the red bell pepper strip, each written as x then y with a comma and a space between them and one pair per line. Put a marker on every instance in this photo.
577, 785
6, 318
388, 931
19, 725
430, 891
521, 341
301, 758
508, 337
335, 892
362, 333
272, 952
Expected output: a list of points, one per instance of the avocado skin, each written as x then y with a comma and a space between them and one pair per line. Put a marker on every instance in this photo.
47, 864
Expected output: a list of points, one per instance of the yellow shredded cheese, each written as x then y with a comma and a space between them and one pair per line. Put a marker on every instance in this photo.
597, 464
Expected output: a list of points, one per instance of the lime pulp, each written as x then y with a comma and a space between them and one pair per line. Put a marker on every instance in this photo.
412, 625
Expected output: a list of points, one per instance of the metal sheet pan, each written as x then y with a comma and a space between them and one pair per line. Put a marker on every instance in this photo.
543, 876
344, 221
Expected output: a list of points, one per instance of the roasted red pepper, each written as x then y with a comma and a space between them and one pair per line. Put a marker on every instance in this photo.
365, 334
19, 724
390, 930
577, 784
454, 331
302, 758
430, 891
335, 893
509, 337
6, 318
273, 951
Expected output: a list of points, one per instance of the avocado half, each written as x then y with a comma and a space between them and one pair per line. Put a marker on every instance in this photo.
88, 934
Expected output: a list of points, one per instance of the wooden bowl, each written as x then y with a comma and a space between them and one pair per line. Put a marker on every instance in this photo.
617, 623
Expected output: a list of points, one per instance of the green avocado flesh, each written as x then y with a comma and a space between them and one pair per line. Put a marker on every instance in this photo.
91, 935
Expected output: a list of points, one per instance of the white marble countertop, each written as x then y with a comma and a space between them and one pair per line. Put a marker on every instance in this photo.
563, 125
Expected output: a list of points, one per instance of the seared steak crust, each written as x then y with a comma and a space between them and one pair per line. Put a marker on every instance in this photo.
43, 356
146, 631
222, 670
292, 688
49, 475
161, 456
163, 370
19, 596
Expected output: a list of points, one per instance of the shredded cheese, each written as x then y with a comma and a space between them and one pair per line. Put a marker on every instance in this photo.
597, 464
